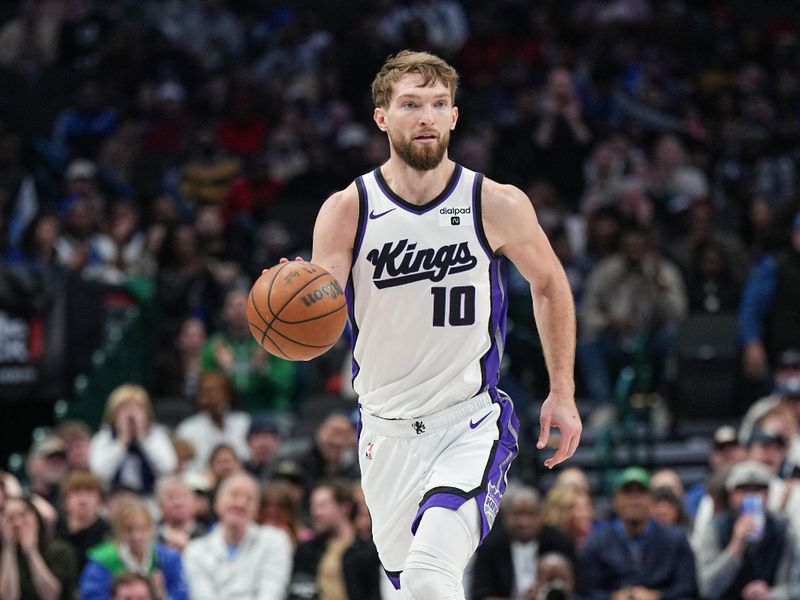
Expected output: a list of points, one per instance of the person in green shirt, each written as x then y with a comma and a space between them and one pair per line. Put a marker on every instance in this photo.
264, 383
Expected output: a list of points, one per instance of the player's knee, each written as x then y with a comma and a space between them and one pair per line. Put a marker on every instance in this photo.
429, 584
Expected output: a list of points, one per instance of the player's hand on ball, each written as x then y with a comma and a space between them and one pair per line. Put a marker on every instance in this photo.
562, 414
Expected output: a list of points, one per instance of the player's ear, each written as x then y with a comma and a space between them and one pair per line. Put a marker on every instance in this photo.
379, 116
454, 119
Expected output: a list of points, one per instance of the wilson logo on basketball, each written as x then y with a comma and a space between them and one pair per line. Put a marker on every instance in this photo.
331, 290
401, 263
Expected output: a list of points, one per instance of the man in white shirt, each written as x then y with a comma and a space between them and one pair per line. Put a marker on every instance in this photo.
238, 560
215, 423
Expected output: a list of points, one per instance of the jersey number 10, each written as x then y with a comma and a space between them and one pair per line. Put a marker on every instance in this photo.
462, 306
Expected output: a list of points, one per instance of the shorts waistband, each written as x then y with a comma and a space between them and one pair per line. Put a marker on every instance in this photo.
426, 424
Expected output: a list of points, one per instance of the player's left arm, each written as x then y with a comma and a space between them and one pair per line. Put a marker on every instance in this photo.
513, 230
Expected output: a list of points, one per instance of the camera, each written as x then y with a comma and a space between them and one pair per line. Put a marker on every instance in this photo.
553, 590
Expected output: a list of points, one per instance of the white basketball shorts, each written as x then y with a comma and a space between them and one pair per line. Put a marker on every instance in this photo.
444, 459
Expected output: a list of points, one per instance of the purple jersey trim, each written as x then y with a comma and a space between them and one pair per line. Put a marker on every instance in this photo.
394, 577
493, 484
415, 208
490, 361
477, 214
363, 211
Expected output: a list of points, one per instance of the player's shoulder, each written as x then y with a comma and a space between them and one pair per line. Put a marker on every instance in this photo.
502, 200
343, 199
342, 205
501, 195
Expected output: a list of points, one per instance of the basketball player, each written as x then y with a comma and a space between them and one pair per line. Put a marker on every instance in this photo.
418, 244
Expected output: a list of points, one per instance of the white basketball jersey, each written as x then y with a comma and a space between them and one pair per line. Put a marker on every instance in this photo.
426, 298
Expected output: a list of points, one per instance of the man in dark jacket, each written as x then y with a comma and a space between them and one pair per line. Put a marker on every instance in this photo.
506, 563
635, 558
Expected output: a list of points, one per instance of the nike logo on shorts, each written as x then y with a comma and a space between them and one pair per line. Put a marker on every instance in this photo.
372, 214
473, 425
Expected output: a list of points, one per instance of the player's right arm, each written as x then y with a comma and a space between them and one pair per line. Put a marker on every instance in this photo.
335, 233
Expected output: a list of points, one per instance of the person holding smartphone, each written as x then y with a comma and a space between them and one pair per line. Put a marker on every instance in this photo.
747, 552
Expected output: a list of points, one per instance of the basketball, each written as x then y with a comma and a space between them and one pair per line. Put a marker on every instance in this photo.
296, 310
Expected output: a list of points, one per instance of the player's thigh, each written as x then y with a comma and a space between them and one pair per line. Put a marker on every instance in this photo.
393, 471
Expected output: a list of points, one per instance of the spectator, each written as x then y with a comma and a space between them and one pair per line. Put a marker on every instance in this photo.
635, 556
738, 558
668, 478
631, 296
131, 448
555, 578
570, 510
561, 137
332, 454
318, 563
81, 523
178, 524
263, 382
783, 420
215, 423
132, 586
244, 131
84, 35
165, 134
223, 463
674, 182
263, 440
179, 371
77, 437
573, 477
711, 282
505, 564
200, 483
33, 566
37, 249
80, 129
768, 317
279, 508
29, 41
207, 176
184, 451
121, 250
46, 468
668, 509
135, 550
252, 193
726, 452
786, 394
239, 559
361, 566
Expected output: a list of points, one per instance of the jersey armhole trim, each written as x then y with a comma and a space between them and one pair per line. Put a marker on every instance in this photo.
362, 219
477, 215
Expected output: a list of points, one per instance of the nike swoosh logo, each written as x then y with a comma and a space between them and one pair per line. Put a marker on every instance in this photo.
473, 425
372, 214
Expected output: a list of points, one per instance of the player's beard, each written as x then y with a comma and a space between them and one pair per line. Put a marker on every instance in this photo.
420, 157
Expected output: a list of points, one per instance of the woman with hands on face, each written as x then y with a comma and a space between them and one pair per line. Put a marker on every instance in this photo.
131, 449
31, 565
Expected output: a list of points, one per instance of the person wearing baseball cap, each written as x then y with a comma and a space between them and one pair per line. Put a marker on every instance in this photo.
786, 393
635, 557
726, 451
746, 551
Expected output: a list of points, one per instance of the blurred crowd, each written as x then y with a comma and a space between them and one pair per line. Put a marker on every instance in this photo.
191, 142
222, 506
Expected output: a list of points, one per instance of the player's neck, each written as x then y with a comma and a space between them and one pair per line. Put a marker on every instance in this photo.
417, 187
